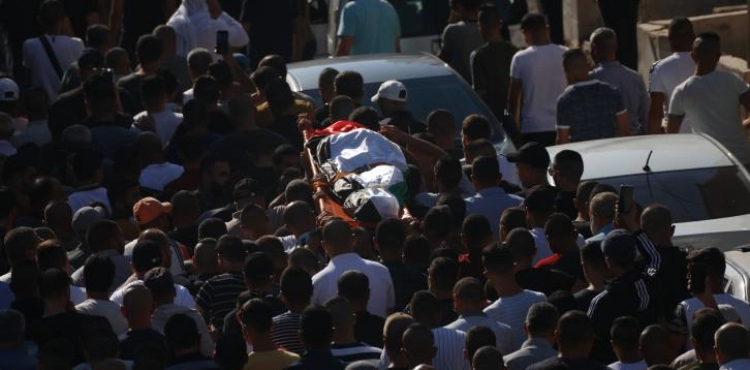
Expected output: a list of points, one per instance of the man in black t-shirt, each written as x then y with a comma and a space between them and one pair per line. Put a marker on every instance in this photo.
546, 281
656, 221
249, 146
490, 63
148, 52
327, 92
566, 169
629, 293
566, 257
596, 273
368, 328
58, 321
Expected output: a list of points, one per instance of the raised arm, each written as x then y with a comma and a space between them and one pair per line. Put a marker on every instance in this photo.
115, 20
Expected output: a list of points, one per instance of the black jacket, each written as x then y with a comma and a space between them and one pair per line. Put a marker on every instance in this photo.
633, 294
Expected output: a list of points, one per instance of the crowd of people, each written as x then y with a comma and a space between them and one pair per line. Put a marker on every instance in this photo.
166, 217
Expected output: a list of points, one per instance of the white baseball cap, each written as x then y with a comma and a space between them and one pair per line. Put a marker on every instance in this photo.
391, 90
8, 90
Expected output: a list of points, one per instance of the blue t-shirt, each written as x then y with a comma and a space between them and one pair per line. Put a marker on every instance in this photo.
374, 24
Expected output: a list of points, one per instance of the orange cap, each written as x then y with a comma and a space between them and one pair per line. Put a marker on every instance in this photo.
148, 209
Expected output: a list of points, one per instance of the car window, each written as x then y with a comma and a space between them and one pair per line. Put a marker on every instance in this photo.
421, 17
692, 195
734, 282
428, 94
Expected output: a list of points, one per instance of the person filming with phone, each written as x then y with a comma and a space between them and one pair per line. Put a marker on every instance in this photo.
632, 290
196, 23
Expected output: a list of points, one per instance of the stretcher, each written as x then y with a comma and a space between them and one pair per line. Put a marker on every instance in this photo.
329, 201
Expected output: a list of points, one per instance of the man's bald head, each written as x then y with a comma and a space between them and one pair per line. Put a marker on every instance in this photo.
732, 343
603, 205
393, 330
487, 358
204, 256
137, 301
604, 42
470, 291
707, 48
656, 221
338, 237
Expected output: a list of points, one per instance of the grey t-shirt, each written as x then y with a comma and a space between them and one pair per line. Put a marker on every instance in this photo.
712, 102
459, 41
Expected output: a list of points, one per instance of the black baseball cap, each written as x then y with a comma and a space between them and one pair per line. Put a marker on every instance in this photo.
533, 154
246, 188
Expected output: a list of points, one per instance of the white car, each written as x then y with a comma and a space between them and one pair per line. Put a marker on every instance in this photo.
706, 189
430, 82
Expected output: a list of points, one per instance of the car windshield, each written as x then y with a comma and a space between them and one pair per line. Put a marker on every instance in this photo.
692, 195
428, 94
421, 17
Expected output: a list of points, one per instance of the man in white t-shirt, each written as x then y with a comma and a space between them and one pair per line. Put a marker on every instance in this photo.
65, 50
711, 99
709, 263
513, 301
669, 72
537, 79
338, 242
88, 171
164, 121
158, 172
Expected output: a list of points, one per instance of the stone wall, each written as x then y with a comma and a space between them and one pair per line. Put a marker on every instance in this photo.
581, 17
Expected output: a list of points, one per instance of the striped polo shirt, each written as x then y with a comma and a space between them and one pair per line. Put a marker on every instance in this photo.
356, 351
450, 344
285, 332
218, 296
512, 311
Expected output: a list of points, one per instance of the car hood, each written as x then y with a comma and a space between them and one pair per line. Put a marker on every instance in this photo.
723, 233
